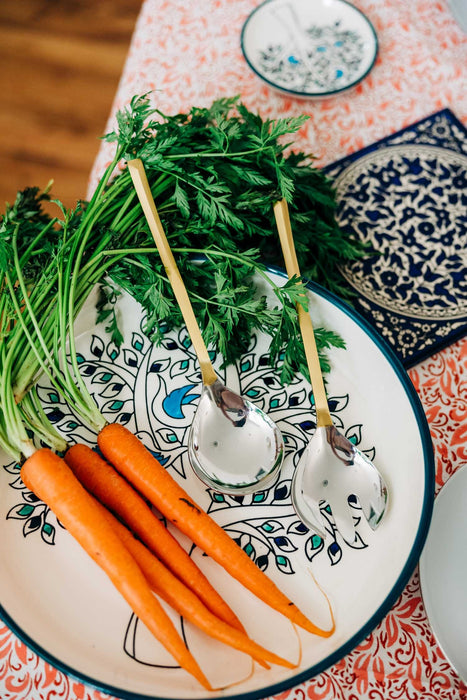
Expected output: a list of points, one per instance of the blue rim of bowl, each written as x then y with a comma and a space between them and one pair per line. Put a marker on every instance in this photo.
386, 605
299, 93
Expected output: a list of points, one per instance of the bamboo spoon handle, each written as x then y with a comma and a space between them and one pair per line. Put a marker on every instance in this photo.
323, 416
141, 185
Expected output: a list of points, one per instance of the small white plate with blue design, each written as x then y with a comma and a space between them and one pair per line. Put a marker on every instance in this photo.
309, 49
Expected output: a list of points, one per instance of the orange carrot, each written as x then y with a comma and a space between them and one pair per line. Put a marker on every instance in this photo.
127, 453
101, 479
47, 475
184, 601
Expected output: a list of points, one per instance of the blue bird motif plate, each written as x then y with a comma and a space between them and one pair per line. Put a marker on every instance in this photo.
55, 598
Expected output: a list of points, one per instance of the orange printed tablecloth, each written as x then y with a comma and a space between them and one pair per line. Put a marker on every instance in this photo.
189, 53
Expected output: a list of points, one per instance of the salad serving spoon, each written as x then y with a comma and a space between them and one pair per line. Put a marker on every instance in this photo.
331, 468
233, 446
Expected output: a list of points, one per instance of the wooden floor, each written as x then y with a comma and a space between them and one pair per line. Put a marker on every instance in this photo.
60, 63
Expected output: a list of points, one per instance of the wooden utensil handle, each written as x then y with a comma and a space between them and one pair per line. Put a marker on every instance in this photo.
143, 190
323, 416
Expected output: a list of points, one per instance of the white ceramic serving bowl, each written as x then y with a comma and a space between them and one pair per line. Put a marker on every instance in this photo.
57, 600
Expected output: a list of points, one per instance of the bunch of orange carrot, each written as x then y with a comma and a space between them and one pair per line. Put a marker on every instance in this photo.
102, 502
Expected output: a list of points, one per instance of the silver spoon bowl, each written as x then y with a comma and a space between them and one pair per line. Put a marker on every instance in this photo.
233, 446
331, 469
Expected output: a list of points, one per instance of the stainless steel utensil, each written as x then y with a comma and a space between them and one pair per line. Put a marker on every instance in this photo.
331, 468
233, 446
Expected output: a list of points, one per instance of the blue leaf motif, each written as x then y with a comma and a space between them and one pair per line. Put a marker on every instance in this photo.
262, 562
112, 390
334, 553
124, 418
308, 426
97, 346
130, 358
358, 542
297, 398
168, 437
297, 528
338, 403
55, 416
159, 366
272, 382
282, 490
284, 544
30, 497
32, 525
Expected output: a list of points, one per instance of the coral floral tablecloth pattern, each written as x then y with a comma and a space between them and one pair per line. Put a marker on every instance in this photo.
188, 52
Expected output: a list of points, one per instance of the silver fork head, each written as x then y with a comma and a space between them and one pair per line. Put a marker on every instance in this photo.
332, 469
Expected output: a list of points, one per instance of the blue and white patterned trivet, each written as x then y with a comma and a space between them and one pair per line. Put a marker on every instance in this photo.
406, 196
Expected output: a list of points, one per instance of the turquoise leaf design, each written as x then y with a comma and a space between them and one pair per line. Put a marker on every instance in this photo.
259, 497
21, 511
313, 546
102, 378
48, 533
250, 550
113, 406
354, 434
283, 564
137, 342
271, 526
245, 366
218, 497
130, 358
179, 368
